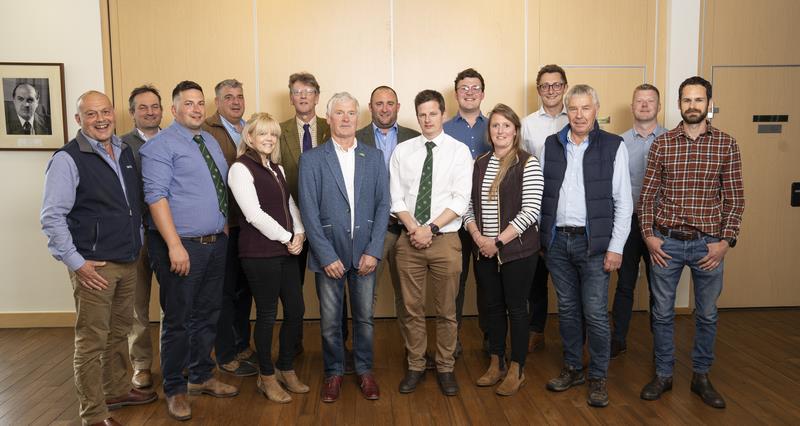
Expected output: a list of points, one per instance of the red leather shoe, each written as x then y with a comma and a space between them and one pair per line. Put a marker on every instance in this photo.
369, 387
133, 397
331, 388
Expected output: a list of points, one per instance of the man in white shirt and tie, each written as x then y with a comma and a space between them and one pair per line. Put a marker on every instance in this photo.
430, 183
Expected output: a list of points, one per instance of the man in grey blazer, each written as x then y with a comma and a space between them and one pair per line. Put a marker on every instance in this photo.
144, 105
385, 134
344, 203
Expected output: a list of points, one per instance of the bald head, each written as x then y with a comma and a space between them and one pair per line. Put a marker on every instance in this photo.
96, 116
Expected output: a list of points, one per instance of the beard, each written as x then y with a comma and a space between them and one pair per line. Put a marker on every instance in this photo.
696, 119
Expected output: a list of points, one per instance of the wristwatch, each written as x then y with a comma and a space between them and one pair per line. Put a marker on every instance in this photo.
434, 228
731, 241
498, 242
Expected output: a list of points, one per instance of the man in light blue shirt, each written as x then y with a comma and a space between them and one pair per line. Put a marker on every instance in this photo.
184, 173
585, 221
469, 127
637, 140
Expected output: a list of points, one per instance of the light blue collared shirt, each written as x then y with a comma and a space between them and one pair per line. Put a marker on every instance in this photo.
572, 195
60, 186
638, 147
386, 143
232, 132
474, 137
173, 168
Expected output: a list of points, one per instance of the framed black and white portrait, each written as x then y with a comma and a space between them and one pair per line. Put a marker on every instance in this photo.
33, 106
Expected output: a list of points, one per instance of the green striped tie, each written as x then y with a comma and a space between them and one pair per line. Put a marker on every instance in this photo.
216, 176
422, 211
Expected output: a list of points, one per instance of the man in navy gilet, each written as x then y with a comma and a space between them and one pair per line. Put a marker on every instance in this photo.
586, 218
92, 217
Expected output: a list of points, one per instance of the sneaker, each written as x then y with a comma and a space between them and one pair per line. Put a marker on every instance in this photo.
597, 394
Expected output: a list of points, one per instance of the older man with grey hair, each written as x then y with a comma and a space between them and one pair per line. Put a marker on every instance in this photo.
344, 202
586, 218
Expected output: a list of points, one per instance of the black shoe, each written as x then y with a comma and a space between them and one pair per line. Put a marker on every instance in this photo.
598, 394
617, 348
702, 386
459, 350
430, 363
410, 382
349, 363
653, 390
447, 382
239, 368
568, 378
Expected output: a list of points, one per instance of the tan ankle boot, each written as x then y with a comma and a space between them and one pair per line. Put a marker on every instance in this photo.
272, 390
290, 380
513, 381
493, 374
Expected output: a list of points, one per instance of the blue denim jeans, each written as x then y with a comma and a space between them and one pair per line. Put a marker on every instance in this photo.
331, 298
191, 306
707, 288
582, 288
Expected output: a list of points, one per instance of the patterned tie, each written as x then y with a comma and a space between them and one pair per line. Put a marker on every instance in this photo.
219, 185
422, 211
306, 137
26, 128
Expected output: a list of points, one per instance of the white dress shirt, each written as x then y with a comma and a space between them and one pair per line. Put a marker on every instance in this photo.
347, 161
451, 180
538, 126
240, 180
571, 210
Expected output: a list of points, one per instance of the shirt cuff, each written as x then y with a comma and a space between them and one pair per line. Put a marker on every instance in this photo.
616, 246
74, 261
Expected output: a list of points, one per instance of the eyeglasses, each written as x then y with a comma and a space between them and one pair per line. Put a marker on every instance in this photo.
307, 92
545, 87
467, 89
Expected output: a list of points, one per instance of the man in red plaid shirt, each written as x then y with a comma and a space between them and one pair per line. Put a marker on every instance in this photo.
690, 211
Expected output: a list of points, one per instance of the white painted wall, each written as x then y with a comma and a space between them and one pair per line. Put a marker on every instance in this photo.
62, 31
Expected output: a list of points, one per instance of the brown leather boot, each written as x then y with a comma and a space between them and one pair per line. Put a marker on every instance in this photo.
269, 386
289, 379
513, 381
493, 374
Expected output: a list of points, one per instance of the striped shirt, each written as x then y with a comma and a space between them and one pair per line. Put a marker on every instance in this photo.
693, 184
532, 187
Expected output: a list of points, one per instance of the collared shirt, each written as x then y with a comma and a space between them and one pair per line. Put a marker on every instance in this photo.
347, 162
693, 184
572, 195
142, 135
312, 127
231, 129
22, 122
173, 168
451, 180
473, 136
538, 126
386, 143
60, 186
638, 146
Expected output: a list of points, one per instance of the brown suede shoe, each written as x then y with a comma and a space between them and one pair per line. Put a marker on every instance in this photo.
272, 390
289, 379
214, 388
514, 380
178, 407
133, 397
493, 374
107, 422
142, 379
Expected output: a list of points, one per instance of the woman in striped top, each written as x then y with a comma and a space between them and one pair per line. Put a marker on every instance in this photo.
502, 219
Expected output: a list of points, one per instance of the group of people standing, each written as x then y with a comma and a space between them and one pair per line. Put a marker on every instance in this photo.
225, 211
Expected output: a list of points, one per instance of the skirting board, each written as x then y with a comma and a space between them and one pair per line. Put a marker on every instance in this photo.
67, 319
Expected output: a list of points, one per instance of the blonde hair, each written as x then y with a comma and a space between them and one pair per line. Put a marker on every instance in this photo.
512, 157
260, 122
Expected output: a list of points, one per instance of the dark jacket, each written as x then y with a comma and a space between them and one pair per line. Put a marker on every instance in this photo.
214, 126
598, 173
510, 203
104, 223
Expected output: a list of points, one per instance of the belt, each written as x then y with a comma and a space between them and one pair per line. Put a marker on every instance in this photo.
574, 230
205, 239
677, 234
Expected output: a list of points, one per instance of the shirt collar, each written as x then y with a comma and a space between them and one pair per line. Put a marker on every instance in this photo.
23, 121
542, 112
709, 129
230, 125
458, 117
115, 141
376, 130
437, 140
312, 123
142, 135
339, 148
656, 131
